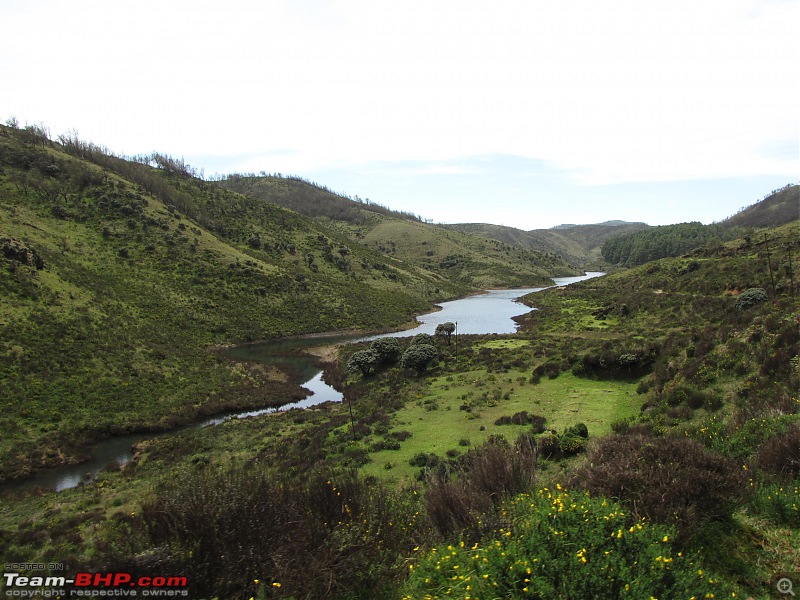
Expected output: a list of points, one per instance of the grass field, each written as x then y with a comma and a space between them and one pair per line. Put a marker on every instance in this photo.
438, 422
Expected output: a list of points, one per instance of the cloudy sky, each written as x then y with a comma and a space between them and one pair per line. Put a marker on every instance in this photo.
526, 113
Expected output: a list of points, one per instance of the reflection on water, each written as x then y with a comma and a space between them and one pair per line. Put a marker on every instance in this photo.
490, 312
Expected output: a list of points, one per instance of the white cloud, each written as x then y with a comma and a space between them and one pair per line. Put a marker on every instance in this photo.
615, 91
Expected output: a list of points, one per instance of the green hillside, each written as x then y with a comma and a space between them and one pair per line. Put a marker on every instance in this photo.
118, 277
468, 259
637, 248
577, 244
777, 208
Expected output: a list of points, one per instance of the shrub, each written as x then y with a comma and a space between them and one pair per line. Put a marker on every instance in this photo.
780, 454
423, 338
363, 361
388, 350
557, 544
418, 356
751, 297
672, 481
224, 529
463, 502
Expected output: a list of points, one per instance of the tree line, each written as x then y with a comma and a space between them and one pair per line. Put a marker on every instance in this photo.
637, 248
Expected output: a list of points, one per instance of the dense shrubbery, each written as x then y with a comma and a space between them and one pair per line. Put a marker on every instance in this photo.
664, 479
225, 529
557, 544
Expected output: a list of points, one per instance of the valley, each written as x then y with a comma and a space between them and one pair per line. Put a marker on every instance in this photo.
608, 443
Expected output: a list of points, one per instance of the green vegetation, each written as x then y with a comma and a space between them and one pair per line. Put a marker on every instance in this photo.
119, 278
471, 260
577, 244
665, 240
635, 425
637, 248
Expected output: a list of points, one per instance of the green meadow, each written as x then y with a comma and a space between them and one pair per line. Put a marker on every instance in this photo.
459, 411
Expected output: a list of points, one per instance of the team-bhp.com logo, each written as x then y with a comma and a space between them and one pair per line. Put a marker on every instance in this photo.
84, 584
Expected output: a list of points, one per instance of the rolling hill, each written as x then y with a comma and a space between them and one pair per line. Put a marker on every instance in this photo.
461, 256
577, 244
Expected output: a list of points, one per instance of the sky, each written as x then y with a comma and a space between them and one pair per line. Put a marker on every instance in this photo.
524, 113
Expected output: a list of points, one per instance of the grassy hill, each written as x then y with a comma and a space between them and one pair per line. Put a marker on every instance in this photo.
637, 248
458, 256
118, 277
779, 207
577, 244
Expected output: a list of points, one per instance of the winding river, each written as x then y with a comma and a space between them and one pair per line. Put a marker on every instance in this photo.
490, 312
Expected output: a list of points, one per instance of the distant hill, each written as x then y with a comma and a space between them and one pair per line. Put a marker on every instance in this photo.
457, 255
577, 244
778, 208
615, 223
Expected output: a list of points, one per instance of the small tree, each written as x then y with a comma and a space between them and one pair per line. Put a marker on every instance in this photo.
363, 360
751, 297
423, 338
418, 356
446, 329
388, 350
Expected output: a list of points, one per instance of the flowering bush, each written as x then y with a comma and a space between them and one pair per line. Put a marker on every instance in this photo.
559, 544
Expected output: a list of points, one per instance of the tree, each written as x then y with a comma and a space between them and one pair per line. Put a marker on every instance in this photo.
363, 360
751, 297
388, 350
423, 338
418, 356
446, 329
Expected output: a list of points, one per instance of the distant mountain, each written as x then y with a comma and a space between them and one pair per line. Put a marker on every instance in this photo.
616, 223
457, 256
577, 244
778, 208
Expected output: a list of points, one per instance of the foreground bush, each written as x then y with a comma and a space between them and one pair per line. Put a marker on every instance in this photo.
672, 481
464, 501
558, 544
239, 533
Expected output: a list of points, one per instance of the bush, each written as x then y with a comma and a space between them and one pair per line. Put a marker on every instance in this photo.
418, 356
672, 481
751, 297
423, 338
388, 350
557, 544
224, 529
463, 502
363, 361
780, 454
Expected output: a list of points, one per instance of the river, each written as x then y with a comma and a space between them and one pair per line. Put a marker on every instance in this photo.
490, 312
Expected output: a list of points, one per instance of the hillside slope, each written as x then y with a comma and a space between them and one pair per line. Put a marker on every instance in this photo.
117, 277
577, 244
460, 256
777, 208
631, 249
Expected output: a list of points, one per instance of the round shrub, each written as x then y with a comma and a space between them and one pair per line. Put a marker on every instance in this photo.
673, 481
751, 297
